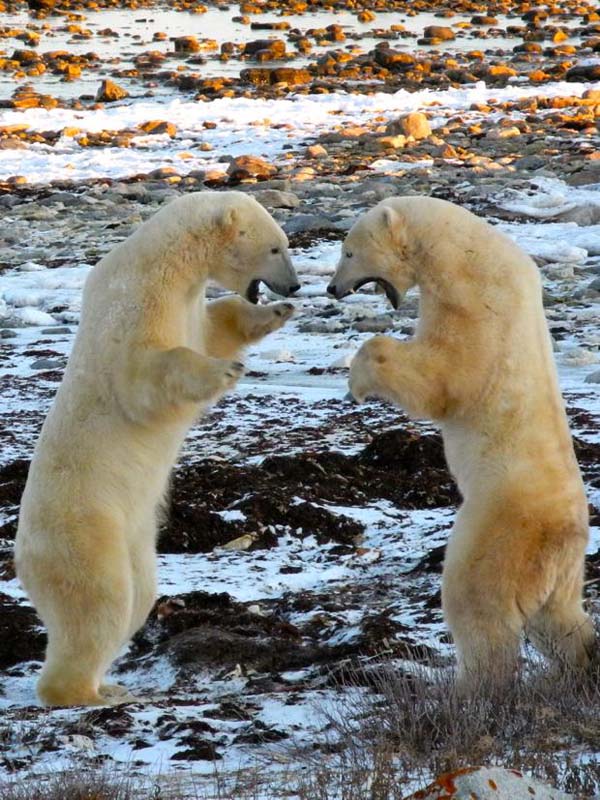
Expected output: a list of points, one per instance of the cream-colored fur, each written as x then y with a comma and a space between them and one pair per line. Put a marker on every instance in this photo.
148, 357
481, 365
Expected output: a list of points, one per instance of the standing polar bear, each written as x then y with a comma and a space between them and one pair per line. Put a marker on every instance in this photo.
481, 365
149, 356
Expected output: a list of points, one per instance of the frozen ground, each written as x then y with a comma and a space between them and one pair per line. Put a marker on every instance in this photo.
374, 592
344, 511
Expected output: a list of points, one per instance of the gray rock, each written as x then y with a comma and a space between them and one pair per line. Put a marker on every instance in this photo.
593, 377
8, 201
582, 215
7, 333
374, 324
321, 326
55, 331
489, 783
66, 198
530, 163
307, 222
273, 198
593, 287
46, 363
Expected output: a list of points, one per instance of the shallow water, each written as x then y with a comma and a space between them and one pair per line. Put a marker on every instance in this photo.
136, 30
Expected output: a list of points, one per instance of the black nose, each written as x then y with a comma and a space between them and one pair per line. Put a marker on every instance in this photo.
332, 289
294, 288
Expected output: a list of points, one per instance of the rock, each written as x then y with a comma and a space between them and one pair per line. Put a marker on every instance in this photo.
110, 92
186, 44
316, 151
46, 363
394, 59
265, 76
593, 377
440, 32
240, 543
374, 324
55, 331
588, 72
415, 124
488, 783
250, 167
391, 142
265, 49
160, 173
157, 126
307, 222
272, 198
593, 288
530, 163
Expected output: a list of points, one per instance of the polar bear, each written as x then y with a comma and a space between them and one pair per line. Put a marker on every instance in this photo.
481, 365
149, 356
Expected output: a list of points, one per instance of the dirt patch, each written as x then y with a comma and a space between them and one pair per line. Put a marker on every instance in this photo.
290, 493
12, 482
20, 633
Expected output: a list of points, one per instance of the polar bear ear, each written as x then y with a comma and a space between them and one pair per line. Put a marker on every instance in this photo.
228, 218
394, 223
391, 218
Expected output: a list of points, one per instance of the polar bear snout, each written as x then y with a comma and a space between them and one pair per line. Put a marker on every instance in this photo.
278, 274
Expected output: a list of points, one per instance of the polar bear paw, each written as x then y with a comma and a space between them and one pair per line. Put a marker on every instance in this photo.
267, 319
220, 376
114, 694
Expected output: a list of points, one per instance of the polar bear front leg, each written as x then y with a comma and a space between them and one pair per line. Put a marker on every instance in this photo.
232, 323
158, 380
406, 373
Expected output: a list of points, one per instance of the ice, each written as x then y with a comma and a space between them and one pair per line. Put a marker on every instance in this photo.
550, 197
560, 242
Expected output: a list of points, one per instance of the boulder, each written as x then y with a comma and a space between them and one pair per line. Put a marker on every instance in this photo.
250, 167
440, 32
488, 783
414, 124
265, 49
157, 126
273, 198
110, 92
186, 44
588, 72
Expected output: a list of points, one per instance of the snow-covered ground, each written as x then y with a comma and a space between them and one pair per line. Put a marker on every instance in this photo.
291, 402
243, 125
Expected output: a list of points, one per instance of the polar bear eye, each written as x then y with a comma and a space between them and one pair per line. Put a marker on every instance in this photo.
274, 250
348, 254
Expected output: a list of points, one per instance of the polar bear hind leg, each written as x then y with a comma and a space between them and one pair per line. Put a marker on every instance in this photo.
87, 616
145, 587
562, 630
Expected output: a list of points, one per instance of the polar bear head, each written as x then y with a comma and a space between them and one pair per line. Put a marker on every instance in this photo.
376, 249
250, 248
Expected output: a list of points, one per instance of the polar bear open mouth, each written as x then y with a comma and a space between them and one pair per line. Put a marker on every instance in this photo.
391, 292
252, 291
